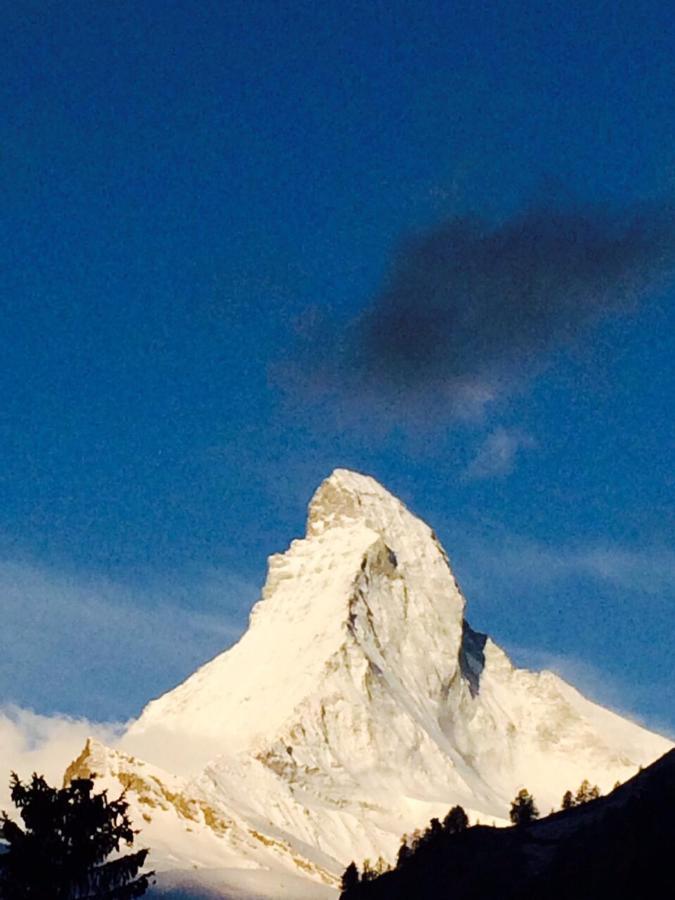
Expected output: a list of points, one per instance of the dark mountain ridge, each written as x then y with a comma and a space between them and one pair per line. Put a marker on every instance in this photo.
619, 846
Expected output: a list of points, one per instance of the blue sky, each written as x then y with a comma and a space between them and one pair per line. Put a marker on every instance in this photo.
187, 190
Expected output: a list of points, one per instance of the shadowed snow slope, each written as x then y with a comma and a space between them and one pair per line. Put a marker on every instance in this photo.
358, 704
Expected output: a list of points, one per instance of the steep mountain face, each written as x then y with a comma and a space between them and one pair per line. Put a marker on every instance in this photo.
360, 703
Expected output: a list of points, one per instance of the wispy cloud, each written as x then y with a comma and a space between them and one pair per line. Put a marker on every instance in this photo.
520, 560
99, 648
650, 570
47, 744
44, 744
85, 644
497, 454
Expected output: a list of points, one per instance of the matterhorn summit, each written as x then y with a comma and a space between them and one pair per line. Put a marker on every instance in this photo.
358, 704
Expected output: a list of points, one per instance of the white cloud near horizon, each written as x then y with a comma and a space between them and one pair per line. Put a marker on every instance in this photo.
498, 453
47, 744
30, 742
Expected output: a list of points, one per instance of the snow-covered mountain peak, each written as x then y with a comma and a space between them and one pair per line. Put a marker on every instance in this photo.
347, 496
347, 500
367, 590
358, 704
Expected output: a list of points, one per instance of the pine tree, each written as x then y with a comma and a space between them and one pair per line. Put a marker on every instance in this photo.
583, 792
586, 792
404, 852
369, 873
523, 809
67, 835
381, 866
455, 821
416, 839
350, 878
567, 800
434, 831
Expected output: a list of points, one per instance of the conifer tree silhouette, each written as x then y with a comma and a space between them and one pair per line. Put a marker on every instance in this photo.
523, 809
567, 800
585, 793
368, 872
455, 821
350, 878
61, 851
404, 852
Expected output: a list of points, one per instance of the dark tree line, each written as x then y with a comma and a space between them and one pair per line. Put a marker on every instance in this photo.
621, 848
585, 793
455, 822
523, 811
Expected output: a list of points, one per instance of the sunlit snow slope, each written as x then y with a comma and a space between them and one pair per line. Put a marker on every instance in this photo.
358, 704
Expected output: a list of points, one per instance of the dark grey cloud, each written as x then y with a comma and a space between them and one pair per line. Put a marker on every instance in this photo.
470, 308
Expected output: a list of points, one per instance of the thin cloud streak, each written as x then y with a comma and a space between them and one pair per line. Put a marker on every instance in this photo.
648, 570
90, 646
497, 454
531, 563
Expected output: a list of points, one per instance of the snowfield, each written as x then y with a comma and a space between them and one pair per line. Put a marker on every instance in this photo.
358, 705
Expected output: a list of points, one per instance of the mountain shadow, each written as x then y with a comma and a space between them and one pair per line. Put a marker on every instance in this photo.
472, 656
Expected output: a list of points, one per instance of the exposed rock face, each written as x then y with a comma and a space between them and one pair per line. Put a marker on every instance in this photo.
180, 822
360, 703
